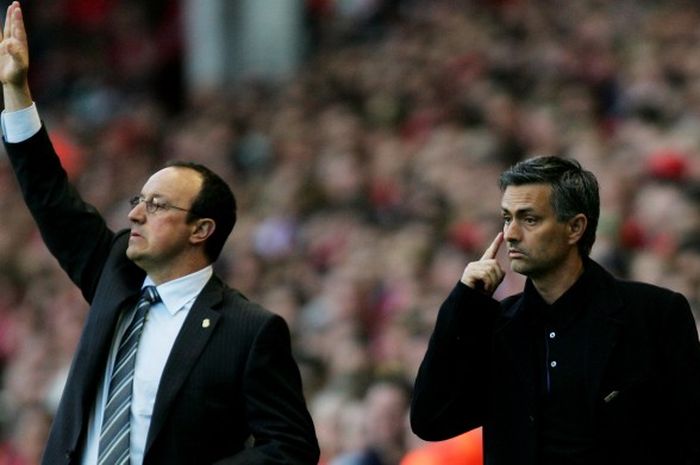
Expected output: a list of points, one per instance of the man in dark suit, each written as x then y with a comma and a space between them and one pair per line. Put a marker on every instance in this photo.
579, 368
212, 379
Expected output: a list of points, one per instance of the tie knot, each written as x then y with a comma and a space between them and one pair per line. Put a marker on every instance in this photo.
150, 294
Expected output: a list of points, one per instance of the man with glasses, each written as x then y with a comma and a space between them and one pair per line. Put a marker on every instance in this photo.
192, 373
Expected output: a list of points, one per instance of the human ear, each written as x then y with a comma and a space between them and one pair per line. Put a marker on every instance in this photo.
577, 226
202, 230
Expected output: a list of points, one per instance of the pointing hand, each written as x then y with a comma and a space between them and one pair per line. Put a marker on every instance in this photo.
486, 274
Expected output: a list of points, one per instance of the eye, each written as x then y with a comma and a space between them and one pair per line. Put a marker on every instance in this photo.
530, 220
506, 220
159, 204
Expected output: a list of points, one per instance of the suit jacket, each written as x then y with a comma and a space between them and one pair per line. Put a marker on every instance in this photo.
643, 370
222, 382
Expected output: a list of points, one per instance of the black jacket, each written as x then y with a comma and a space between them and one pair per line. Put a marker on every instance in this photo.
643, 367
223, 382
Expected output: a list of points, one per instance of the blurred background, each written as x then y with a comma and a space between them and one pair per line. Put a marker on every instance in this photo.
363, 140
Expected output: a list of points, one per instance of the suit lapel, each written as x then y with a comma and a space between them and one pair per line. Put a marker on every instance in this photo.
105, 309
96, 341
606, 306
193, 337
100, 330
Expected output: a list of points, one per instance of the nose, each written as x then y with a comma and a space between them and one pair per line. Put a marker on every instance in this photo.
137, 214
511, 231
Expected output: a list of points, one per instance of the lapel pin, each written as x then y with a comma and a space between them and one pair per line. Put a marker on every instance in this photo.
205, 323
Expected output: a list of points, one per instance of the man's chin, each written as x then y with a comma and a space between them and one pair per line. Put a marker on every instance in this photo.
132, 254
519, 266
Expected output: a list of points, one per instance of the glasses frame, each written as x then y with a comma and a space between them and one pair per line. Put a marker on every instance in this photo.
153, 207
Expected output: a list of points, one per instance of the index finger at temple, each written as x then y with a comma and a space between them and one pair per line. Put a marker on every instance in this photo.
493, 248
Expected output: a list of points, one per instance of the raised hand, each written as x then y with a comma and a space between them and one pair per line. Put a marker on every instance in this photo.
14, 60
486, 274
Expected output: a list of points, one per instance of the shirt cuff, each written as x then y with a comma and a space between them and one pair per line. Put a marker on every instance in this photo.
20, 125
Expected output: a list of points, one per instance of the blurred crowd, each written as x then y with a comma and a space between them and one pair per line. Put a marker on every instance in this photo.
365, 183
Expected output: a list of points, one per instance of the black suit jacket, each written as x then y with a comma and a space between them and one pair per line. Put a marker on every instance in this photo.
223, 381
643, 370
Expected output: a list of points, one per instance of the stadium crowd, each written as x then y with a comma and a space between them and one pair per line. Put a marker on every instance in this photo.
365, 183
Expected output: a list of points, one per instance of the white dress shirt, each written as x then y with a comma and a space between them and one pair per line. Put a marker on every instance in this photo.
159, 332
162, 326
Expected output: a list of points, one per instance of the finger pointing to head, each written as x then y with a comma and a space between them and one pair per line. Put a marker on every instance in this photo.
492, 251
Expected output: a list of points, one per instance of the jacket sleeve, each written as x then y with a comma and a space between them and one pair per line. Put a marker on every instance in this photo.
280, 423
450, 392
73, 230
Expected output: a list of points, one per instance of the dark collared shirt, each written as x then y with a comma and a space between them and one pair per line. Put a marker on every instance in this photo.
561, 331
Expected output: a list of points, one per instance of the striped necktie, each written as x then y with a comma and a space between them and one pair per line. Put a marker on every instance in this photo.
114, 438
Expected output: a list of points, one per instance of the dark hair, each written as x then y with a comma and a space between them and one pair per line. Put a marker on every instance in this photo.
216, 201
574, 190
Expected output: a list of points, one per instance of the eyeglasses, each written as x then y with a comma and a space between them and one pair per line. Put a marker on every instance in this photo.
153, 206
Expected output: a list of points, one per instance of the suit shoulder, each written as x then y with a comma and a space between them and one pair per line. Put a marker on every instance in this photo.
655, 305
238, 305
641, 292
634, 294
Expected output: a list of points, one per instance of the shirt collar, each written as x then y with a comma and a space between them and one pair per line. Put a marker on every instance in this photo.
567, 306
176, 294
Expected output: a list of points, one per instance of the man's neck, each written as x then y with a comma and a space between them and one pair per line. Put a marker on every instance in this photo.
555, 283
163, 273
